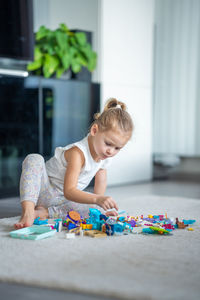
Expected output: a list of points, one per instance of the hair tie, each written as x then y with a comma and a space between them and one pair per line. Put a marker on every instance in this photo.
118, 106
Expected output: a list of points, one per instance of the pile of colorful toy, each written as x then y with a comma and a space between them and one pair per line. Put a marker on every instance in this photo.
99, 225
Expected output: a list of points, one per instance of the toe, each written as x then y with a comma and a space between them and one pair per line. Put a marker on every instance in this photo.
17, 226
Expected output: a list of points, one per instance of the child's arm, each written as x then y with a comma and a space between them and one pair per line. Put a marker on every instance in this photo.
75, 161
100, 182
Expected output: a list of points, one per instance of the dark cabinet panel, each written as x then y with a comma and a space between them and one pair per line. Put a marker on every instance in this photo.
37, 115
18, 128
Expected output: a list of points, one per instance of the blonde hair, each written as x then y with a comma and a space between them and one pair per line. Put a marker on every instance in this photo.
114, 117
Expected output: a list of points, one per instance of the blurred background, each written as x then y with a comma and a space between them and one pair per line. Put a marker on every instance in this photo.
148, 56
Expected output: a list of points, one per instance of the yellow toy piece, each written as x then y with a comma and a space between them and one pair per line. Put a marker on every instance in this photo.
190, 229
86, 226
95, 233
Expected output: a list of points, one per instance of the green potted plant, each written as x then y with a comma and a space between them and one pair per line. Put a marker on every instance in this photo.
57, 51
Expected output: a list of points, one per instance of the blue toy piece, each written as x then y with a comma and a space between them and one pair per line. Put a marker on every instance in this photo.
148, 231
71, 226
118, 227
188, 222
37, 221
95, 213
94, 217
58, 224
156, 217
121, 219
110, 229
103, 217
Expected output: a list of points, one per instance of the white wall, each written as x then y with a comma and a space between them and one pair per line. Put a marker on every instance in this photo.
126, 73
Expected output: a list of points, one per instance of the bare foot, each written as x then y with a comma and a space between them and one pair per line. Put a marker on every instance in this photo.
28, 215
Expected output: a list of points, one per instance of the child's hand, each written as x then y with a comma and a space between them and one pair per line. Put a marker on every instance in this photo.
111, 213
106, 202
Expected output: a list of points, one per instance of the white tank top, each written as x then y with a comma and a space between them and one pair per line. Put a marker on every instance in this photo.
56, 166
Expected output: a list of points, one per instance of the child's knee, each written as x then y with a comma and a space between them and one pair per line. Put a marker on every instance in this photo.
34, 157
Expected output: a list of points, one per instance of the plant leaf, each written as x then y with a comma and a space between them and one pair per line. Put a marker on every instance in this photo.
63, 27
57, 50
35, 65
62, 40
59, 72
82, 59
73, 41
73, 52
49, 49
50, 65
76, 67
81, 38
42, 32
66, 58
87, 50
37, 53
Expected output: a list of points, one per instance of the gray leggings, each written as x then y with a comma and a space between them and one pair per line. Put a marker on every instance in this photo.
36, 187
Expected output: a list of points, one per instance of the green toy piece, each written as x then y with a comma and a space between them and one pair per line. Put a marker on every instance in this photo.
159, 230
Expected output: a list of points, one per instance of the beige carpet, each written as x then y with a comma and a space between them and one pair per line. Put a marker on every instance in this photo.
128, 267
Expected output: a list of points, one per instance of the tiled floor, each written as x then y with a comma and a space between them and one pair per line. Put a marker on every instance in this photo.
10, 207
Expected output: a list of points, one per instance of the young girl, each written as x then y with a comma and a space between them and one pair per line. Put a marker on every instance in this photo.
50, 190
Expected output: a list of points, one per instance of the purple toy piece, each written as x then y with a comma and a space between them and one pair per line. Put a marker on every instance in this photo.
132, 223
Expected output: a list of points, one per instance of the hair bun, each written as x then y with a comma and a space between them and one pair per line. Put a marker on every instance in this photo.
114, 117
114, 103
96, 116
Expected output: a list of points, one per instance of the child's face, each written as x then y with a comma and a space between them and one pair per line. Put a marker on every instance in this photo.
107, 143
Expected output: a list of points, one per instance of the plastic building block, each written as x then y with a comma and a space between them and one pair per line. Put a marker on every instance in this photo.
133, 223
103, 217
71, 226
168, 226
35, 232
70, 235
188, 222
121, 219
180, 225
148, 231
74, 216
150, 216
159, 230
87, 226
37, 221
109, 229
118, 227
111, 221
95, 233
120, 212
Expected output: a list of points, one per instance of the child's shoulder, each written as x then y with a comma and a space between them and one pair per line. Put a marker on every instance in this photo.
74, 154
